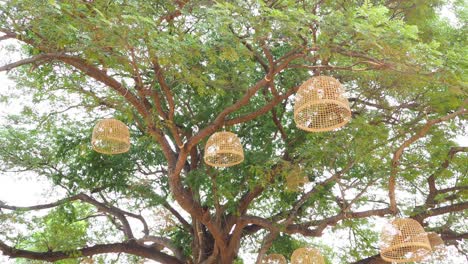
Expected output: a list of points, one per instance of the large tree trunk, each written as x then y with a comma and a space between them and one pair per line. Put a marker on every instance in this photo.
221, 258
205, 250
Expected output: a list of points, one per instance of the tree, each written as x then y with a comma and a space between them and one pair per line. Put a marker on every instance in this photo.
177, 71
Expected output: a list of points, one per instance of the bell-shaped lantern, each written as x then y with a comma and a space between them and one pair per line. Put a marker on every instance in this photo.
110, 136
307, 256
295, 178
223, 149
321, 105
404, 240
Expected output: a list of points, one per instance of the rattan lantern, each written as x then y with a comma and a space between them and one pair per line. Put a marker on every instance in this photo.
404, 241
274, 259
223, 149
321, 105
110, 136
295, 179
307, 256
87, 260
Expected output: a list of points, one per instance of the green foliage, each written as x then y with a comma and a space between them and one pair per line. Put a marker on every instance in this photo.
285, 245
182, 239
60, 230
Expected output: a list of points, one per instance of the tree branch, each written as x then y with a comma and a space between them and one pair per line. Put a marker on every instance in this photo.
127, 247
220, 119
265, 109
109, 209
320, 224
158, 71
171, 16
34, 59
165, 243
120, 214
431, 179
181, 219
7, 35
440, 210
399, 152
40, 206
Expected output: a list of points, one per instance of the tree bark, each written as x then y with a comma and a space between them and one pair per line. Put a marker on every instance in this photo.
130, 247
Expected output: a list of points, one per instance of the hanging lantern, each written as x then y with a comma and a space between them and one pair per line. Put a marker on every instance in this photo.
320, 105
110, 136
404, 241
295, 179
223, 149
87, 260
274, 259
307, 256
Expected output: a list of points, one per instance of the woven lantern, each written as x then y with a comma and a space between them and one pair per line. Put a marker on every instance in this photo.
307, 256
223, 149
87, 260
295, 179
404, 241
110, 136
320, 105
274, 259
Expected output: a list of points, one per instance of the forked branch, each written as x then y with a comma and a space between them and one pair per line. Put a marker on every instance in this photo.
399, 152
130, 247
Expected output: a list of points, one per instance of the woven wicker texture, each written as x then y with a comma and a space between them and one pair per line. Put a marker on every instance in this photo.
223, 149
436, 241
404, 240
320, 105
110, 136
295, 179
274, 259
87, 261
307, 256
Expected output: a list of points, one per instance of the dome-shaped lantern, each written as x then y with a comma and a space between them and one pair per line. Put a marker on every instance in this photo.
307, 256
404, 240
110, 136
274, 259
295, 179
321, 105
87, 260
223, 149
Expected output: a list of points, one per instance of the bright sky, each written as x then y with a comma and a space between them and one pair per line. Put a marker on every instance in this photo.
33, 189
